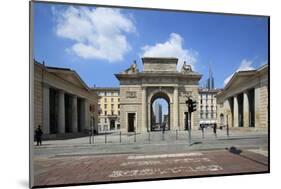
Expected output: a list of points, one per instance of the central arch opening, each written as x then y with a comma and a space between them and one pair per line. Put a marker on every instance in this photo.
160, 112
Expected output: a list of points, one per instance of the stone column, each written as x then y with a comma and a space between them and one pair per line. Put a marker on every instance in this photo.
257, 107
61, 116
245, 109
144, 110
235, 112
149, 116
46, 110
74, 115
176, 108
84, 115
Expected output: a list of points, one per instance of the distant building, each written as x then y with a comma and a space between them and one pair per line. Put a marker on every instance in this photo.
108, 109
207, 106
210, 83
166, 120
158, 112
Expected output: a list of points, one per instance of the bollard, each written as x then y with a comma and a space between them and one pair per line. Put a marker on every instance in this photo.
163, 136
203, 136
105, 138
176, 134
135, 137
90, 138
93, 139
120, 136
227, 127
227, 131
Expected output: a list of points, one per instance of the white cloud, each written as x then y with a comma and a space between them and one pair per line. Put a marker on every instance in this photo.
173, 47
98, 33
244, 66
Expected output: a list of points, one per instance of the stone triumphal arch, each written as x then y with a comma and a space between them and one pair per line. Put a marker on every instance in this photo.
159, 79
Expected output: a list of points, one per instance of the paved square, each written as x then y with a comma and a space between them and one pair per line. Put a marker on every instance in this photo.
101, 168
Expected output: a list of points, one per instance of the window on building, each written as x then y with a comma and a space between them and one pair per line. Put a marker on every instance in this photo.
201, 115
105, 112
111, 99
118, 105
212, 101
99, 120
105, 120
112, 112
201, 107
105, 93
112, 106
105, 106
105, 99
212, 115
118, 99
201, 101
206, 115
119, 113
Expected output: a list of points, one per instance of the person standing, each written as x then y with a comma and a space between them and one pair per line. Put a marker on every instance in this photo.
38, 135
215, 130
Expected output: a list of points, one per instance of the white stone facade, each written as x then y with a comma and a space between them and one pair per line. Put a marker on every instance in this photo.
207, 106
243, 103
63, 104
160, 79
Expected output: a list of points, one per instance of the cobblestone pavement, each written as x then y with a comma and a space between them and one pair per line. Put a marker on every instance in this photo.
102, 168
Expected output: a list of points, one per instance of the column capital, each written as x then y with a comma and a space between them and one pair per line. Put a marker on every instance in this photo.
144, 87
61, 91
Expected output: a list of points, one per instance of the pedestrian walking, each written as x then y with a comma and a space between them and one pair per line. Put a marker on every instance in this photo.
215, 129
38, 135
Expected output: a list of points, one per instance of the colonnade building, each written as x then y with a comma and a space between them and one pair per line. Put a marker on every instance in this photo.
63, 104
243, 103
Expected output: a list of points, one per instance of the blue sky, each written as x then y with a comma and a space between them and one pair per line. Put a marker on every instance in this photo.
99, 42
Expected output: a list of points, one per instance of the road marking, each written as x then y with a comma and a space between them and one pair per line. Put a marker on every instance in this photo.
167, 161
158, 171
165, 155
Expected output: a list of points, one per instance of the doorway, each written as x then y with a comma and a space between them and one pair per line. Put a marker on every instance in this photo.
131, 122
112, 124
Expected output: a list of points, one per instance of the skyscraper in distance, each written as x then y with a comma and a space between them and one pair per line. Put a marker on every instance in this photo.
210, 81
